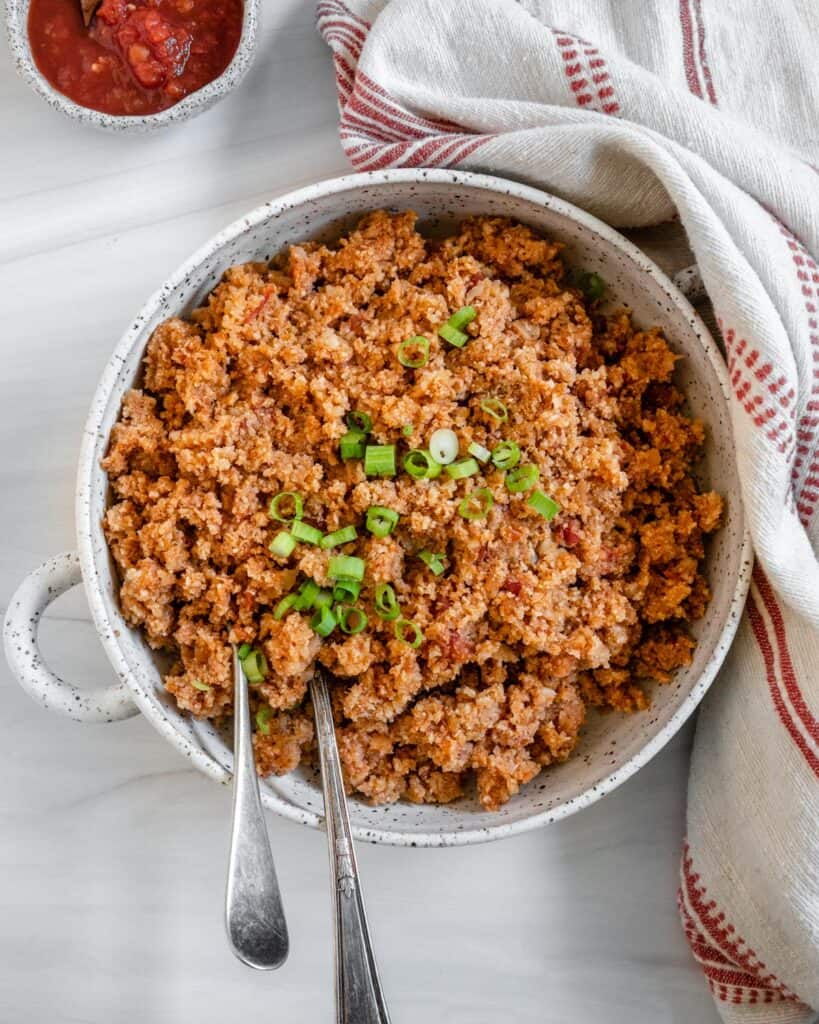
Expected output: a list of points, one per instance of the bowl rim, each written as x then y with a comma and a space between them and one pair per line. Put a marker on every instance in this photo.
108, 384
16, 18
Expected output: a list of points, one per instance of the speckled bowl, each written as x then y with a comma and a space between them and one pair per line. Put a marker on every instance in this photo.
197, 103
613, 746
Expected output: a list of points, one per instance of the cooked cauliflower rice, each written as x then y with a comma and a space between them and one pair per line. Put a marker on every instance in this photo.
523, 616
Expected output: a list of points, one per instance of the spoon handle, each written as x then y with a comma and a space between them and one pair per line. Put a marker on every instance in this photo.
359, 999
254, 914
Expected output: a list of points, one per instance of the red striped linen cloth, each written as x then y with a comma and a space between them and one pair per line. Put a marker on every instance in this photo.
707, 110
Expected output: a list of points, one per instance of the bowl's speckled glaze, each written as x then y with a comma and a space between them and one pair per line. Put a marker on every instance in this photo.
613, 746
196, 103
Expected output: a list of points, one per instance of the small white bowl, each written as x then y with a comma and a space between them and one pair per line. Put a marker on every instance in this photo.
613, 746
196, 103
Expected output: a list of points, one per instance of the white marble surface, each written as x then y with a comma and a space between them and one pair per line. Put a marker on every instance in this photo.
113, 852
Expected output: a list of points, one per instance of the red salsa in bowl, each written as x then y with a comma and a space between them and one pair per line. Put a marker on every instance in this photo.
137, 56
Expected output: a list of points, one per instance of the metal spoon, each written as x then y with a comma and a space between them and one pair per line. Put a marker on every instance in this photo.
254, 915
359, 999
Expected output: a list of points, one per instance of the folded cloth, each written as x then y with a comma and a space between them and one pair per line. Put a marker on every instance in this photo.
706, 110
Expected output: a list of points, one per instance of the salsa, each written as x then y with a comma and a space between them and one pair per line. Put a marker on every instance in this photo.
137, 56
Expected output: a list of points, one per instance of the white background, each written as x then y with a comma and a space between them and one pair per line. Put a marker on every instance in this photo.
112, 850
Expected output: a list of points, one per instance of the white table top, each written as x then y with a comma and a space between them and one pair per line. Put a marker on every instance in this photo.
113, 853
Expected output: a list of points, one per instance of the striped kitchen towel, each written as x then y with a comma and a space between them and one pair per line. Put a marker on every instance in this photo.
707, 110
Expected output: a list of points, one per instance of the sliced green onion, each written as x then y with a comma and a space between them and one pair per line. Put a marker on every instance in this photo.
463, 468
323, 622
481, 454
495, 408
346, 567
465, 315
303, 531
306, 595
381, 521
379, 460
352, 445
522, 478
403, 627
342, 536
346, 591
592, 285
283, 544
386, 603
414, 352
351, 620
276, 513
444, 445
477, 504
255, 667
262, 716
361, 422
407, 430
435, 563
197, 684
284, 606
421, 465
323, 599
543, 505
506, 455
453, 335
243, 651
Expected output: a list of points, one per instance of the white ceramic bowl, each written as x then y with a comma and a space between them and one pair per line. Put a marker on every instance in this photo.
196, 103
613, 746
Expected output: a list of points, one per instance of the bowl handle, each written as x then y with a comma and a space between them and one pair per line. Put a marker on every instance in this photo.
32, 597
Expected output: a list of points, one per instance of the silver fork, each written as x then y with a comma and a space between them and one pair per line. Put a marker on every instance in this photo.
254, 914
359, 999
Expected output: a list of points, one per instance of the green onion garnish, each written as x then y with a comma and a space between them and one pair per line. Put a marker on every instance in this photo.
481, 454
283, 544
342, 536
421, 465
303, 531
522, 478
352, 445
255, 667
444, 446
592, 285
495, 408
386, 603
381, 521
275, 512
462, 468
305, 596
506, 455
323, 599
414, 352
435, 563
465, 315
405, 626
262, 716
197, 684
407, 430
346, 567
359, 421
323, 622
453, 335
284, 606
346, 591
477, 504
543, 505
351, 620
379, 460
243, 651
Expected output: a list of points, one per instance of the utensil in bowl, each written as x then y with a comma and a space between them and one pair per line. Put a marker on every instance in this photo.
359, 999
195, 103
254, 914
613, 746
